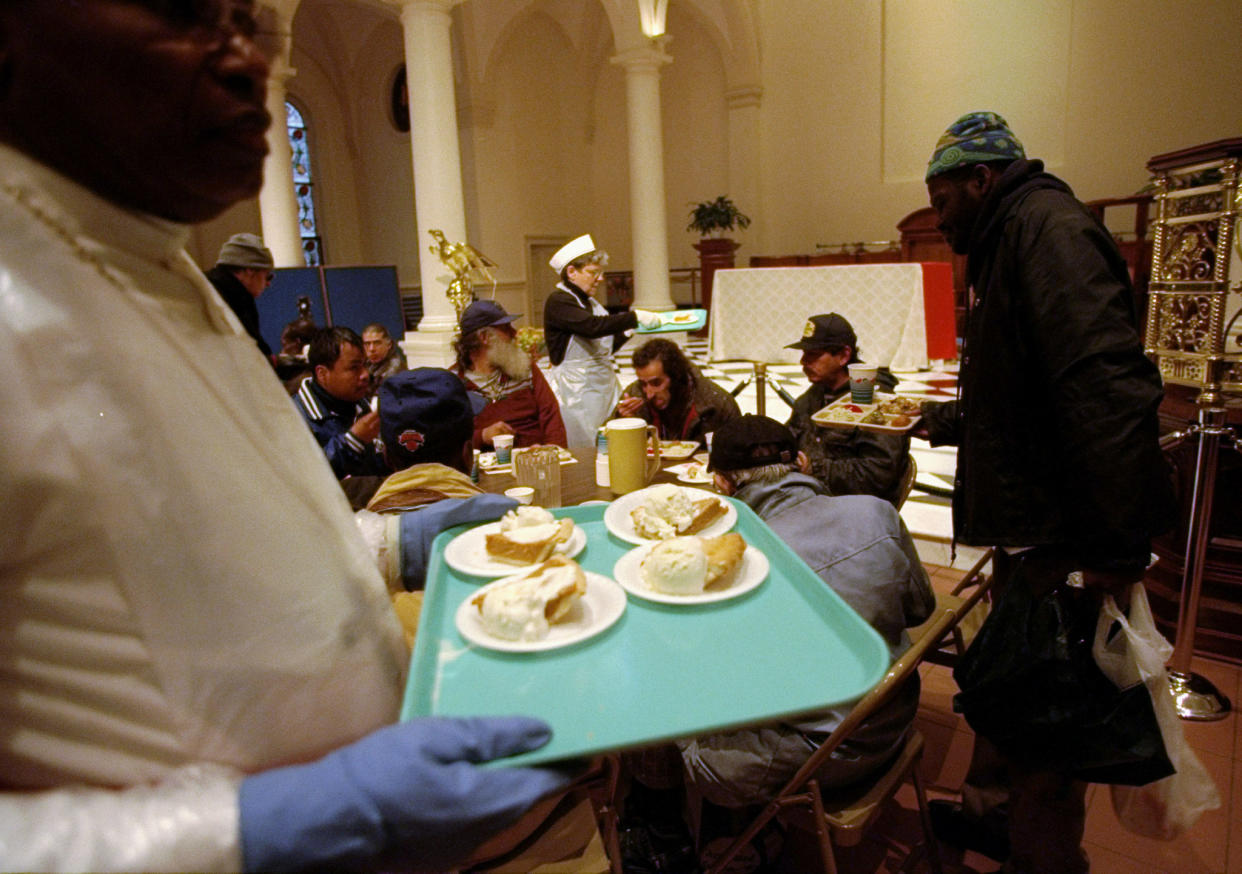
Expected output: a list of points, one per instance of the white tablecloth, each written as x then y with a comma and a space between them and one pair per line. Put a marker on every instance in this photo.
757, 311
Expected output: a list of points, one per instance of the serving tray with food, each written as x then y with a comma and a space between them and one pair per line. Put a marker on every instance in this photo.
488, 463
894, 414
678, 320
659, 671
676, 448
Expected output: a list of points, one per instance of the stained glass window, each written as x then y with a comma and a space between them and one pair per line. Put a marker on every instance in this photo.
304, 187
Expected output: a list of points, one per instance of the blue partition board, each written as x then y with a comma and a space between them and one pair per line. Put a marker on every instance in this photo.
278, 306
358, 296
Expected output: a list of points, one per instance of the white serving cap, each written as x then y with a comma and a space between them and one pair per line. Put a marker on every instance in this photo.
576, 248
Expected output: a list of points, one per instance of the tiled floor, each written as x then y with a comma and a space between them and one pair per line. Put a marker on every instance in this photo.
1213, 846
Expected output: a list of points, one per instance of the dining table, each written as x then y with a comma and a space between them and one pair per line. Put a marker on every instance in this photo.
578, 478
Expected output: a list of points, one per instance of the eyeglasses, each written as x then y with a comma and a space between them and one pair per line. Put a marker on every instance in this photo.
271, 276
225, 19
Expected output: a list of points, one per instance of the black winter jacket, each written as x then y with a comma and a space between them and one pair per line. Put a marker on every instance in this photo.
1056, 410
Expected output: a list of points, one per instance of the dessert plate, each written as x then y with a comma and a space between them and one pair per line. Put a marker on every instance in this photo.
595, 612
692, 472
628, 571
467, 552
617, 517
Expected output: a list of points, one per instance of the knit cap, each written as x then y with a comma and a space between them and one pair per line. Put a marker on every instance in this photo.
975, 138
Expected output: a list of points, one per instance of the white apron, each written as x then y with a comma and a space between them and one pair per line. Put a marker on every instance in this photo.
585, 384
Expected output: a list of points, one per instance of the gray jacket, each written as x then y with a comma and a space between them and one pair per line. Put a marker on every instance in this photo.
859, 546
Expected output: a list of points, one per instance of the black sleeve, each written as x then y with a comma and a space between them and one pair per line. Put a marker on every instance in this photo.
563, 317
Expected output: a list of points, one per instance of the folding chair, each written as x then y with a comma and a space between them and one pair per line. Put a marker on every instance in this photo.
907, 481
846, 819
967, 600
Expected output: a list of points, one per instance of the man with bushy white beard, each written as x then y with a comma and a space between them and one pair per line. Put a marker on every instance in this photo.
509, 391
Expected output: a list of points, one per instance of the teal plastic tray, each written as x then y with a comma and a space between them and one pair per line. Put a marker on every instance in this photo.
661, 672
697, 319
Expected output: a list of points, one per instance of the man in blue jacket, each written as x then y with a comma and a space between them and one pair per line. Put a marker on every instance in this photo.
331, 401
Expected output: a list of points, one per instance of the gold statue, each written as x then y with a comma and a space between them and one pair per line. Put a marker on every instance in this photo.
463, 260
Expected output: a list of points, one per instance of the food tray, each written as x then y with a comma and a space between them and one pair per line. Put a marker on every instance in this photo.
488, 463
677, 448
839, 414
678, 320
661, 672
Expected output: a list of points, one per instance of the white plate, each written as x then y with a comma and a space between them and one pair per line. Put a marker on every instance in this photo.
692, 472
617, 516
628, 571
595, 612
467, 552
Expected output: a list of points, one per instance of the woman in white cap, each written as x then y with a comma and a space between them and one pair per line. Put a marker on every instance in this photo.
582, 336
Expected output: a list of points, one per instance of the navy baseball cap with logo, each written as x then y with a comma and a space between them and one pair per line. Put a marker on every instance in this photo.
751, 441
825, 332
425, 415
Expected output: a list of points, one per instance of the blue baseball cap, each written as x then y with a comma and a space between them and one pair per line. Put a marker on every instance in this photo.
484, 314
425, 415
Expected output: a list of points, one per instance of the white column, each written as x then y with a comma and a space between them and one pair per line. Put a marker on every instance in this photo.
438, 198
743, 107
278, 206
648, 221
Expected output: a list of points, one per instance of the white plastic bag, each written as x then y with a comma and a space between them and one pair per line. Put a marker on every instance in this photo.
1137, 654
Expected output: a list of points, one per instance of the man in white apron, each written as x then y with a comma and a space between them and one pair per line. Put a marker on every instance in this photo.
582, 337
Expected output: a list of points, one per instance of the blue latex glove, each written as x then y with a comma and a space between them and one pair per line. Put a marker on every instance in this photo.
406, 795
420, 527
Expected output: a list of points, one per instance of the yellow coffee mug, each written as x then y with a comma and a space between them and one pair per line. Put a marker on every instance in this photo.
629, 466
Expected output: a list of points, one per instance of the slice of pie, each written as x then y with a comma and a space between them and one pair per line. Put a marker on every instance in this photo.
526, 606
724, 557
528, 535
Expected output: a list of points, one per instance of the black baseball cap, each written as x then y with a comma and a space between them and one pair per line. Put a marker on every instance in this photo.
826, 331
751, 441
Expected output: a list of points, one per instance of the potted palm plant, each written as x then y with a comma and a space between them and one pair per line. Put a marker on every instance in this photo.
712, 219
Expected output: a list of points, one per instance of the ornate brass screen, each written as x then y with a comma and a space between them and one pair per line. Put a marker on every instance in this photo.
1196, 283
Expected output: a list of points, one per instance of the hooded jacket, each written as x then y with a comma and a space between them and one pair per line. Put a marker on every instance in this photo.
1056, 411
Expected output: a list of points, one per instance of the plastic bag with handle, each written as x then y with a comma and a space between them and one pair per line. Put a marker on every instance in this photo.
1137, 653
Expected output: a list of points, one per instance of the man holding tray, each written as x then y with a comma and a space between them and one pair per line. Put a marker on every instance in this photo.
200, 668
847, 461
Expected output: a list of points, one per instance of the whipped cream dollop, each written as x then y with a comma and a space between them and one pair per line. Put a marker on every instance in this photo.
521, 608
528, 524
665, 512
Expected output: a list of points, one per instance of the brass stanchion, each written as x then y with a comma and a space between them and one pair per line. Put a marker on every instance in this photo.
761, 378
1195, 696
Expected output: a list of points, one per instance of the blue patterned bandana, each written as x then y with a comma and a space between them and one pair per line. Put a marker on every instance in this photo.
975, 138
